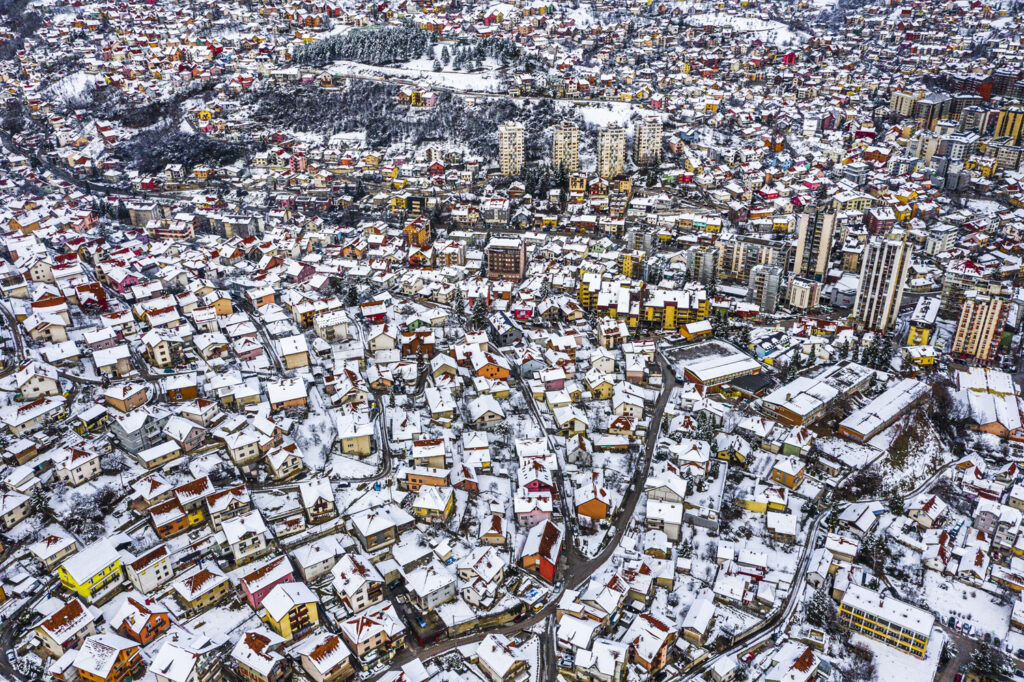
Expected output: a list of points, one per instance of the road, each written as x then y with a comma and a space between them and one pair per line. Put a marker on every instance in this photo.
11, 628
778, 623
575, 572
579, 571
964, 648
19, 343
780, 620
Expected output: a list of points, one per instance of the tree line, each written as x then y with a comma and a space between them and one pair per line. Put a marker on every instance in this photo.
375, 45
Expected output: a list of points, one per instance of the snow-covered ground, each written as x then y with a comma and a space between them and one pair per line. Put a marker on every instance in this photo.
893, 664
344, 467
982, 610
925, 455
768, 31
853, 455
422, 71
316, 433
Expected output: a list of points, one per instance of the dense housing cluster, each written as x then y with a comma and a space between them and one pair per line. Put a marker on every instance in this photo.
432, 340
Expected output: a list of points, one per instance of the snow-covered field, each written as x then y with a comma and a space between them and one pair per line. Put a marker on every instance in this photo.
893, 664
344, 467
422, 71
316, 433
768, 31
965, 602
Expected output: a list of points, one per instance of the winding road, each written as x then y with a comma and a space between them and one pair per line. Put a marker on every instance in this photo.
574, 571
778, 623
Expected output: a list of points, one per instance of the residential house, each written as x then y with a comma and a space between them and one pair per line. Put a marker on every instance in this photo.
375, 635
109, 658
325, 658
201, 588
291, 610
94, 573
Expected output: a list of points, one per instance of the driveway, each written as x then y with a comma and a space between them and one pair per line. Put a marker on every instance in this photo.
964, 648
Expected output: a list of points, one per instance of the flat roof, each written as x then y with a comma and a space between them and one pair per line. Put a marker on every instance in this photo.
892, 610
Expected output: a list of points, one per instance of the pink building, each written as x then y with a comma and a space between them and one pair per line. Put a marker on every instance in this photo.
532, 509
257, 585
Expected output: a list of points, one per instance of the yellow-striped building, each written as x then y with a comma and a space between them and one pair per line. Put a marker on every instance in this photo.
890, 621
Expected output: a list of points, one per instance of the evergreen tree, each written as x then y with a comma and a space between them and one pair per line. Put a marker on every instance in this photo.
719, 327
446, 56
705, 428
883, 354
987, 662
352, 299
832, 520
711, 284
743, 336
873, 552
437, 65
786, 373
896, 504
867, 354
458, 306
479, 316
947, 654
40, 503
821, 610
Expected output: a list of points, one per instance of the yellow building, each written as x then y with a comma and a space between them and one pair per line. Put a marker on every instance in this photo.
356, 442
434, 504
765, 499
290, 609
922, 321
905, 195
586, 294
922, 356
903, 212
600, 388
890, 621
548, 221
918, 336
631, 263
852, 201
984, 165
94, 572
1011, 124
671, 310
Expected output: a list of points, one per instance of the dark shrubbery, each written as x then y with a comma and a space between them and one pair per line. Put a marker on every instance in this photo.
20, 22
154, 148
376, 45
371, 107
